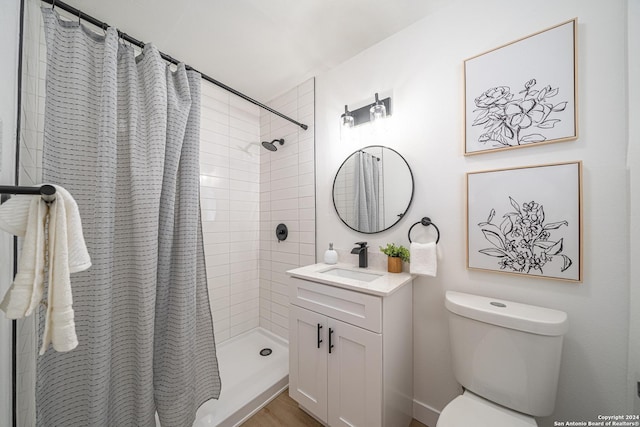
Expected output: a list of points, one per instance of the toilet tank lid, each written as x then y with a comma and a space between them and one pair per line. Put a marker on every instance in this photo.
508, 314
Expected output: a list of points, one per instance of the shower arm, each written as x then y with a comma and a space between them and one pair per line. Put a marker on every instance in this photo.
168, 58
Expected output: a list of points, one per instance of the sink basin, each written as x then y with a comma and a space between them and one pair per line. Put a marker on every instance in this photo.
353, 274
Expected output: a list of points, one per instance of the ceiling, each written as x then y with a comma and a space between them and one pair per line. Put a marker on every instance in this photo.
260, 47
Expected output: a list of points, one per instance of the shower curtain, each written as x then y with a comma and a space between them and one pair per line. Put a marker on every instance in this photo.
367, 192
122, 135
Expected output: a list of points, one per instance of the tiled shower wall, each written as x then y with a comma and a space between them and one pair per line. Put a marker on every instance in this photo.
31, 134
230, 201
287, 195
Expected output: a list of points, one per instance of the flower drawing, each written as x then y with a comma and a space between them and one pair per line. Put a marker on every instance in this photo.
511, 122
522, 241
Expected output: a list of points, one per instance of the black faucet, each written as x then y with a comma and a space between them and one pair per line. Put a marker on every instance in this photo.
361, 250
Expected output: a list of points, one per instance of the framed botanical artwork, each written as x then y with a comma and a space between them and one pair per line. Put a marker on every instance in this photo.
526, 221
523, 93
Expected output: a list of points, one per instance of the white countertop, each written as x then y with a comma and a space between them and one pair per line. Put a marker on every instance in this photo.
387, 284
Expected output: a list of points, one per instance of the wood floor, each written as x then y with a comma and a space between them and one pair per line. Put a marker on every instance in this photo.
284, 412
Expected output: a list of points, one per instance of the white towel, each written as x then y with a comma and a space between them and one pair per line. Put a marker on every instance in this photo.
25, 220
14, 213
423, 259
67, 253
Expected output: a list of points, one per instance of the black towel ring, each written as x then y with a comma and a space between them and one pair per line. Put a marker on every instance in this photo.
426, 221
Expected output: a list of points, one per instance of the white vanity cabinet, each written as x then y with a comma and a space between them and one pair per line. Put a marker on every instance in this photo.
351, 351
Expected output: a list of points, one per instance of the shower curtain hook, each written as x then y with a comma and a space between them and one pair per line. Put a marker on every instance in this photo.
79, 17
53, 5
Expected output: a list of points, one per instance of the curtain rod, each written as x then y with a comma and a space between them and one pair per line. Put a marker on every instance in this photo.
128, 38
48, 192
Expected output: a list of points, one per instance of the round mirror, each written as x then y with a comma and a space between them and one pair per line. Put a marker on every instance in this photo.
373, 189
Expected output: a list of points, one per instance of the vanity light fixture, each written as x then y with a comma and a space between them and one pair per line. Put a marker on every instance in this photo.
380, 109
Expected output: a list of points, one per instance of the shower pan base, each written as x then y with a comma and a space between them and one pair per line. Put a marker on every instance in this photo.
249, 380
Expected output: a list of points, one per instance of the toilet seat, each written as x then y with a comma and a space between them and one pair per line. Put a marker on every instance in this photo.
472, 410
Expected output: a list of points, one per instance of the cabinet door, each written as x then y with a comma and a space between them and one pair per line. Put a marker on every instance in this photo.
307, 362
355, 376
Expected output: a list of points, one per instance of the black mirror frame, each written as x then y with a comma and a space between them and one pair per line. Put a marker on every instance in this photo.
333, 187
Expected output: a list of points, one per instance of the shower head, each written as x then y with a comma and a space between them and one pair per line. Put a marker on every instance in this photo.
271, 145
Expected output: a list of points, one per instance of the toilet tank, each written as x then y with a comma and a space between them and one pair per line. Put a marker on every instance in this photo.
505, 351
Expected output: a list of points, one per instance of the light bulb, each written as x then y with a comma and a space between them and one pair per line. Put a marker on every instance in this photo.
347, 120
377, 110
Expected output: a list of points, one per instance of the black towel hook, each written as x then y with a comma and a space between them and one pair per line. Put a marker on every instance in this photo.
426, 221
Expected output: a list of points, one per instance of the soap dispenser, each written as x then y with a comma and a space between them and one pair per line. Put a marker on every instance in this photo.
330, 255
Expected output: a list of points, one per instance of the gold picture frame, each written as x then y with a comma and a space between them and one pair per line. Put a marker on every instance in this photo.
526, 221
524, 93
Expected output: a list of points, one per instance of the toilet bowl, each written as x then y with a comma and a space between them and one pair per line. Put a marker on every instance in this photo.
506, 355
469, 409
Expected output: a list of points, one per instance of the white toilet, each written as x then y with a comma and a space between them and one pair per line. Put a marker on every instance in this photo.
507, 357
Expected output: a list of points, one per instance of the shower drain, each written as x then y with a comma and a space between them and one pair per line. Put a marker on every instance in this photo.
265, 352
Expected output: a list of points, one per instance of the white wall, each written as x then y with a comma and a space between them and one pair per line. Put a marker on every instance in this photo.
9, 31
423, 68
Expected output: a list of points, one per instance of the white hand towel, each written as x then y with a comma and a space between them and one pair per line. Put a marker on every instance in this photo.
14, 214
67, 254
26, 291
79, 259
424, 259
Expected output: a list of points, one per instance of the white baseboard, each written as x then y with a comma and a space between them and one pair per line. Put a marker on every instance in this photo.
425, 413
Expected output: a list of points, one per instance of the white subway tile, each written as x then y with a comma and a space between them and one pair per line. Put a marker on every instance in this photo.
242, 257
282, 332
243, 266
284, 99
245, 302
265, 323
279, 299
246, 130
239, 103
219, 316
307, 249
219, 303
221, 335
306, 190
307, 260
216, 271
279, 320
250, 185
308, 237
286, 193
282, 278
244, 276
280, 288
307, 86
213, 91
305, 103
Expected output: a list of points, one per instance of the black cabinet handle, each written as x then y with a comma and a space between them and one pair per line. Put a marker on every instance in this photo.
330, 345
319, 339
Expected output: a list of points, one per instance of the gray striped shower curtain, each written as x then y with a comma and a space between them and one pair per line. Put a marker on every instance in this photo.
122, 135
366, 184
